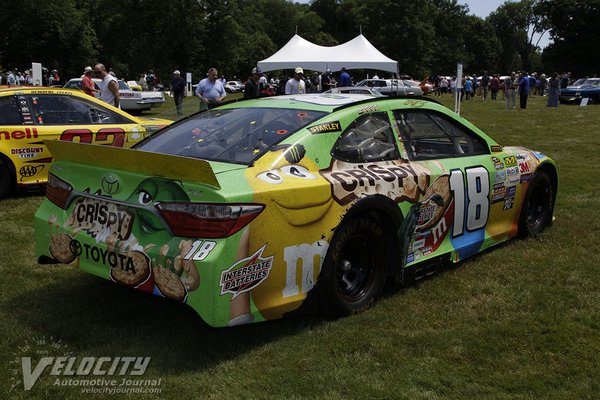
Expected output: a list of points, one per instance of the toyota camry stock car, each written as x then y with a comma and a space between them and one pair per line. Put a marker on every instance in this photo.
29, 115
246, 211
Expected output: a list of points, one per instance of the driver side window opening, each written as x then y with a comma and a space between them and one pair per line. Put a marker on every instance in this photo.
368, 138
428, 135
65, 110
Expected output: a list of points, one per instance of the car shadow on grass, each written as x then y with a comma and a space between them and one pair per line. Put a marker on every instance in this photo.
94, 317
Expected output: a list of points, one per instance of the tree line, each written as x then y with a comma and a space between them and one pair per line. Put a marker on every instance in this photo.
425, 36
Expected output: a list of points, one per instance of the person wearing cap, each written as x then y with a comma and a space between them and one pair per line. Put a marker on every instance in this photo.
177, 89
210, 90
87, 85
296, 84
251, 90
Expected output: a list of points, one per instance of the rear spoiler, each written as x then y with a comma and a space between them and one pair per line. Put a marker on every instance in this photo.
144, 162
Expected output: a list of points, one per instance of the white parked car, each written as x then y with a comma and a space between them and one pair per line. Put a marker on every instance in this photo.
392, 87
234, 86
130, 100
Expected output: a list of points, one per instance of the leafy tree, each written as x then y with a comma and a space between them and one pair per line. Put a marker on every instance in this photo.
516, 25
575, 40
53, 32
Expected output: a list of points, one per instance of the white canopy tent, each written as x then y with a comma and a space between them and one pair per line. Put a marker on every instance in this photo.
354, 54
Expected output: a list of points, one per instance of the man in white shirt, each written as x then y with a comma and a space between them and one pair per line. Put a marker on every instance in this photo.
296, 85
109, 87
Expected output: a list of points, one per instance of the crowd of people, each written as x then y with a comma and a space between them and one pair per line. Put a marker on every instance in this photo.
210, 90
518, 84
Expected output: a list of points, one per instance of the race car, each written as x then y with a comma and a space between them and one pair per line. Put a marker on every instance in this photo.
250, 210
30, 115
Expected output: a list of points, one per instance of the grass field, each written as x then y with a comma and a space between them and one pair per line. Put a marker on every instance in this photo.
519, 322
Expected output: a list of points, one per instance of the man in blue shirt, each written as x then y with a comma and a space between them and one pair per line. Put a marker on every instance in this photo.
345, 78
524, 90
210, 90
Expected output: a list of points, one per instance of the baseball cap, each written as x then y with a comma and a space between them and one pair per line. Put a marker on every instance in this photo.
87, 69
176, 72
256, 70
299, 71
328, 70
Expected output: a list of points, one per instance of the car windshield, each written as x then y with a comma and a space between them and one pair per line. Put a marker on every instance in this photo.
592, 82
239, 135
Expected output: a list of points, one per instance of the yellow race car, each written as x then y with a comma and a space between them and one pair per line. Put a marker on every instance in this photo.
30, 115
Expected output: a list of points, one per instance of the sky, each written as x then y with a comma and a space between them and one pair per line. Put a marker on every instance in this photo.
483, 8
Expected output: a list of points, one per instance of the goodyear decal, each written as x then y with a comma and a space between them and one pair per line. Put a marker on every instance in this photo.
334, 126
510, 161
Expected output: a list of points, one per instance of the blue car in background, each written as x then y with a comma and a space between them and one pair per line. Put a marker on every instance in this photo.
587, 87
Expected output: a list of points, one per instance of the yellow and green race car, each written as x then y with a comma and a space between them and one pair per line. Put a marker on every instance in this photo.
30, 115
247, 211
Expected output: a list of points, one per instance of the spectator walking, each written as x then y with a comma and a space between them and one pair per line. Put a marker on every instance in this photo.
553, 90
87, 85
210, 90
511, 84
345, 79
177, 89
524, 90
150, 80
485, 81
468, 88
251, 89
109, 88
494, 86
296, 84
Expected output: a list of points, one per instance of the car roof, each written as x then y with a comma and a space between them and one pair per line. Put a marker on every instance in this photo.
327, 102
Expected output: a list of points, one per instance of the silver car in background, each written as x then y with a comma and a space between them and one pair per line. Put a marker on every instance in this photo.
391, 87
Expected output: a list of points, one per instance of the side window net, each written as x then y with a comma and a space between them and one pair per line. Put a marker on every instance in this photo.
368, 138
430, 136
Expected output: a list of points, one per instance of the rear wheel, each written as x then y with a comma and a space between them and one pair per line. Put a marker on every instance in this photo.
355, 267
6, 180
538, 205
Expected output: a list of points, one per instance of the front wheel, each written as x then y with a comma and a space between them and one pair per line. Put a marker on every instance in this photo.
355, 267
538, 206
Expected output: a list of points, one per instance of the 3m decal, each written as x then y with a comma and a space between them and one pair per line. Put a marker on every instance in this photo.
306, 253
510, 161
476, 205
246, 274
200, 250
28, 133
334, 126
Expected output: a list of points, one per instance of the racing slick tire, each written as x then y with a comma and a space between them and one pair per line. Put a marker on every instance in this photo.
354, 270
538, 206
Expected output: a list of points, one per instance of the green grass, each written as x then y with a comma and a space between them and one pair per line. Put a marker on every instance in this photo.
519, 322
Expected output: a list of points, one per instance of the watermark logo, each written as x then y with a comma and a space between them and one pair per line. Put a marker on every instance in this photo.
49, 360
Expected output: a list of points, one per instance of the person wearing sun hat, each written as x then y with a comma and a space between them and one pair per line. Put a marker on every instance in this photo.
296, 84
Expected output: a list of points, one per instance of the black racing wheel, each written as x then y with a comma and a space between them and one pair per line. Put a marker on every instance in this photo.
355, 267
538, 205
